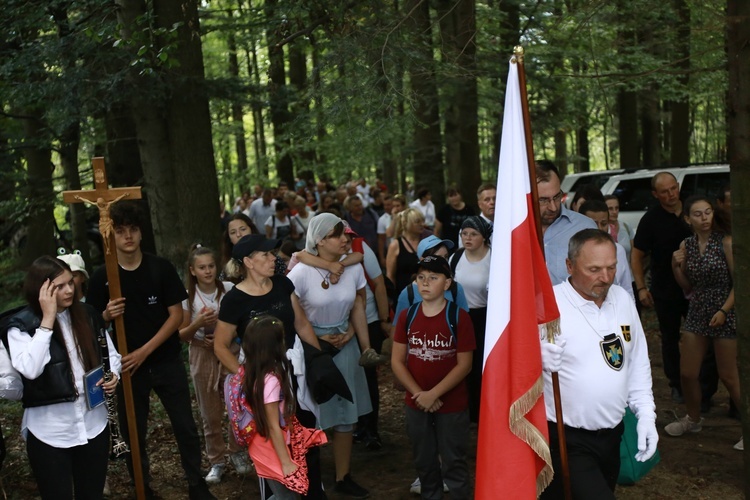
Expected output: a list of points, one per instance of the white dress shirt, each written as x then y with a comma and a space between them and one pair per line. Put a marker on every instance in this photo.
67, 424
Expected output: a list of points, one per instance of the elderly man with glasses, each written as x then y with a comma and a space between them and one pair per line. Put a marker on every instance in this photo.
558, 223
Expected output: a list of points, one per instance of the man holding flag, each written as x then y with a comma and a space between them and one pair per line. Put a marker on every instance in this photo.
601, 357
521, 310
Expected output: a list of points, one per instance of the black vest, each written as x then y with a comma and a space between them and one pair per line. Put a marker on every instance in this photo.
55, 384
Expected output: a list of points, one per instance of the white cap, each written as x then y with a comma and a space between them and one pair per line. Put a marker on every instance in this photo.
75, 262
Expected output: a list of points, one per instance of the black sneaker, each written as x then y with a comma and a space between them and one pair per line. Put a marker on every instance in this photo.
677, 396
348, 487
359, 435
372, 442
200, 491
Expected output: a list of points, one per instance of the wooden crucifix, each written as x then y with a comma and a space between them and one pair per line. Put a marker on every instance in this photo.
103, 197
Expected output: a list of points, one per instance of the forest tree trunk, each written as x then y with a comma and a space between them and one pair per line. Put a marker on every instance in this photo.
427, 147
39, 192
738, 38
277, 95
238, 119
680, 123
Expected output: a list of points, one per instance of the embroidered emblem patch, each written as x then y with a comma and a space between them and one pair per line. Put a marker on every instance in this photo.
625, 332
612, 351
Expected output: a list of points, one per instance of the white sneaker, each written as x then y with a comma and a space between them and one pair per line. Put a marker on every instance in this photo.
416, 487
740, 444
214, 475
240, 463
683, 425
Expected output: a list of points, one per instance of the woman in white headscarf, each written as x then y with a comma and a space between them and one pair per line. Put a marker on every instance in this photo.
328, 307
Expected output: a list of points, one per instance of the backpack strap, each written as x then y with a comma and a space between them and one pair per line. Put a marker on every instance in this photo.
411, 314
451, 316
454, 261
410, 293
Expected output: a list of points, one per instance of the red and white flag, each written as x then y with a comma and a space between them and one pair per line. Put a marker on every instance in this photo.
513, 457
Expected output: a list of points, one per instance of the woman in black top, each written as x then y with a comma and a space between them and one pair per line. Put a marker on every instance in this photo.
261, 291
401, 263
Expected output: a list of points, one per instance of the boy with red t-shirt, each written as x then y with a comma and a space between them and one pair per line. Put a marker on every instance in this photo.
431, 358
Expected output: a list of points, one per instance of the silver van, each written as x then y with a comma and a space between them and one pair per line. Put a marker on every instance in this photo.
634, 189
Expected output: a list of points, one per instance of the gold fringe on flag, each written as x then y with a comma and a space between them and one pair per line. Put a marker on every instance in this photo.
523, 429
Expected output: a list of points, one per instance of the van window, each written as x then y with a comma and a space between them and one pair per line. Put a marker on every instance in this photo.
635, 194
706, 184
597, 180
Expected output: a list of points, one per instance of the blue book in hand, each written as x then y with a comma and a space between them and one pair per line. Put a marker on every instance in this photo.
94, 393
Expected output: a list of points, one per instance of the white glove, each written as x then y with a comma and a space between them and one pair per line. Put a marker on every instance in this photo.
552, 355
647, 439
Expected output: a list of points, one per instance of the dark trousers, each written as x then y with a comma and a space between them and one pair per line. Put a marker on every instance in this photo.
670, 313
61, 473
593, 462
369, 422
315, 490
168, 379
443, 435
474, 380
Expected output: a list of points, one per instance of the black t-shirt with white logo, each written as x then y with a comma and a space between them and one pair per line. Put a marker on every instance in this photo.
149, 291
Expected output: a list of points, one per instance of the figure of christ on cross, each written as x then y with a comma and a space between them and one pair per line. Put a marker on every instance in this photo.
105, 221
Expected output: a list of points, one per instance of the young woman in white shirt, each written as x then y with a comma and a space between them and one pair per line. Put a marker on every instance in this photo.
471, 266
66, 441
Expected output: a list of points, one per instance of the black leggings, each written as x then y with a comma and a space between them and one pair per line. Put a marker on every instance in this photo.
62, 472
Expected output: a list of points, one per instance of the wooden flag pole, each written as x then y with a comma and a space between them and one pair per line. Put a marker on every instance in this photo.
518, 53
103, 197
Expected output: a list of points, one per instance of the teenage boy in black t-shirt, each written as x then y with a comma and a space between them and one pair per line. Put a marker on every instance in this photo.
151, 302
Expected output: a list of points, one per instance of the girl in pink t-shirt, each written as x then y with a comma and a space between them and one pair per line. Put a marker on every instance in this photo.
267, 385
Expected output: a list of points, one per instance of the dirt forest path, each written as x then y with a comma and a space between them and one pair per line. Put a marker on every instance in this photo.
701, 466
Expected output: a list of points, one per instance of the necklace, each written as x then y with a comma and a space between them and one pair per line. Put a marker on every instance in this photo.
211, 297
325, 283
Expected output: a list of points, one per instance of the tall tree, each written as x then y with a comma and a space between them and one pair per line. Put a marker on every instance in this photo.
427, 155
738, 49
38, 191
238, 120
680, 107
278, 92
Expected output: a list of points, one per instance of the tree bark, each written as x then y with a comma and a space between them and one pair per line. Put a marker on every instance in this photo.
39, 192
738, 37
468, 102
680, 122
259, 134
238, 118
277, 94
650, 127
189, 132
427, 147
70, 137
627, 99
124, 161
450, 91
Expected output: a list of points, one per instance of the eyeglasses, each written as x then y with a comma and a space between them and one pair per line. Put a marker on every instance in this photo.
556, 199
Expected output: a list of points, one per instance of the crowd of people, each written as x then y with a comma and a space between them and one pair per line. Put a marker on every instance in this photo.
316, 288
